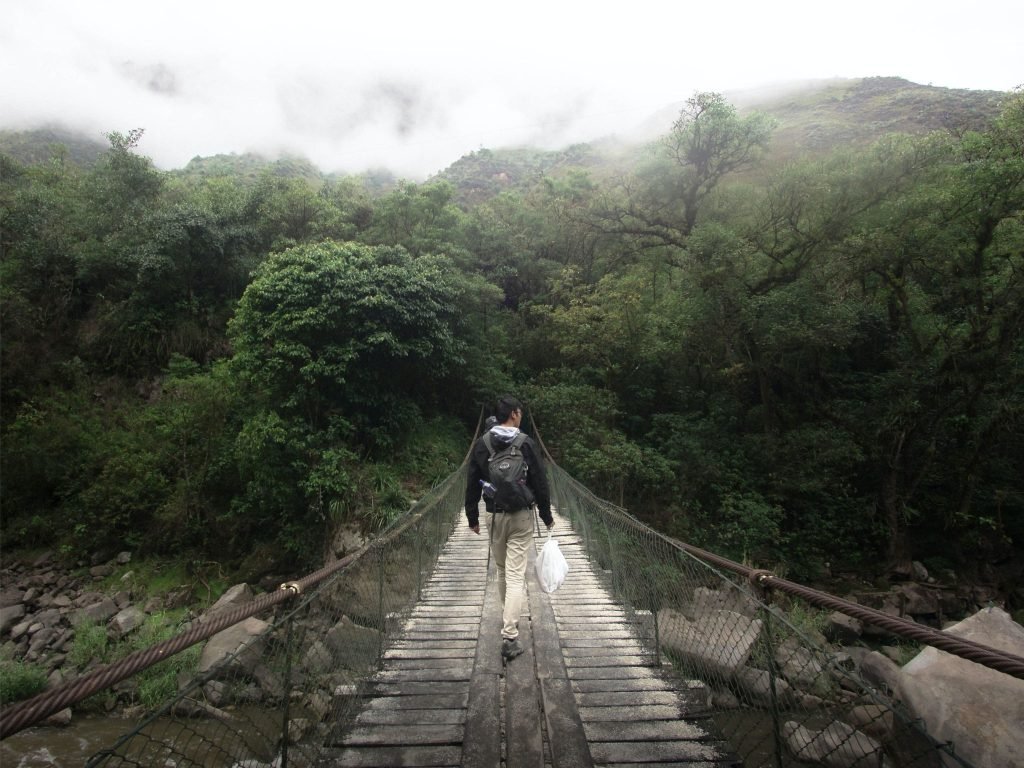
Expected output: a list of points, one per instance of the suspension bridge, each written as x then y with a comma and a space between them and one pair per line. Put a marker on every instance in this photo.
652, 653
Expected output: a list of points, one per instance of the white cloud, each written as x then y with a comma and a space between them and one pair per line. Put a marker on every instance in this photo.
415, 85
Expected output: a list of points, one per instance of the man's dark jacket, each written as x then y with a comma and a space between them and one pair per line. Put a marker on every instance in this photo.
536, 477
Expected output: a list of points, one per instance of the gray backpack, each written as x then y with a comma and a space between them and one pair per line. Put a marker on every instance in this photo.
508, 470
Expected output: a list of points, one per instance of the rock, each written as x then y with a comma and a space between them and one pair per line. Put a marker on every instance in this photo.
123, 558
801, 667
101, 571
237, 595
893, 653
122, 599
125, 621
837, 746
979, 710
32, 594
20, 629
48, 618
216, 692
269, 681
706, 600
297, 728
874, 720
44, 559
318, 658
353, 645
62, 601
917, 599
756, 685
721, 642
880, 671
843, 628
9, 597
10, 615
319, 703
242, 641
59, 719
97, 613
41, 639
918, 571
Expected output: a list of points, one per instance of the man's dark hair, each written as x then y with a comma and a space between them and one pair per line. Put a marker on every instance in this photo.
506, 405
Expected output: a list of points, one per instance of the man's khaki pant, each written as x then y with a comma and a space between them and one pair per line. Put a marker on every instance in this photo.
511, 536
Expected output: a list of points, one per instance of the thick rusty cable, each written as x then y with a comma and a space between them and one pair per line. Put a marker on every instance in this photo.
23, 714
993, 658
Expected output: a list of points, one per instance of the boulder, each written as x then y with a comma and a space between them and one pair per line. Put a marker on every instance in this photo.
237, 595
880, 671
873, 719
353, 645
799, 665
756, 685
97, 612
843, 628
837, 746
318, 658
706, 601
720, 643
979, 710
125, 621
9, 597
242, 641
10, 615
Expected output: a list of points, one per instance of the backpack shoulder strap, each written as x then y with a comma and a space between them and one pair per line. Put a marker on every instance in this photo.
518, 440
490, 447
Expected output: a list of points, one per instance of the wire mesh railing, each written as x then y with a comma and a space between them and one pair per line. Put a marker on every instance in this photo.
782, 695
272, 690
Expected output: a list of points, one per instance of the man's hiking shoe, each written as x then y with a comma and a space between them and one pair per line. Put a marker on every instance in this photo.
511, 648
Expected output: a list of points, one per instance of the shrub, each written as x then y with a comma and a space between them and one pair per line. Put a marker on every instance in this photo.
20, 681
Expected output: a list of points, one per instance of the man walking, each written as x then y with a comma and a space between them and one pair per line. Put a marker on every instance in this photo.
509, 462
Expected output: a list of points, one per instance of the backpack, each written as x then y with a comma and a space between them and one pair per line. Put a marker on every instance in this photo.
507, 469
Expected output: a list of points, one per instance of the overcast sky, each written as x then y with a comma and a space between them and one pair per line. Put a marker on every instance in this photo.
415, 85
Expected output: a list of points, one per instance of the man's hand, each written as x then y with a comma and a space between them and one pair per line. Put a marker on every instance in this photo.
475, 529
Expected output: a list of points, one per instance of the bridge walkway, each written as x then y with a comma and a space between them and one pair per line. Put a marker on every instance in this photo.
586, 692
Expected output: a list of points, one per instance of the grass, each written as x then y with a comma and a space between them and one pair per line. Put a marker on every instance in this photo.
19, 680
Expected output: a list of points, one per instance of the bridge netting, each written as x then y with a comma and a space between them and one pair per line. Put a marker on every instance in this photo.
298, 671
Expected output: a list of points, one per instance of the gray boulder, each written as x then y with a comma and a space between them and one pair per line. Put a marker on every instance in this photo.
720, 643
880, 671
837, 746
979, 710
97, 612
10, 615
244, 639
801, 667
125, 621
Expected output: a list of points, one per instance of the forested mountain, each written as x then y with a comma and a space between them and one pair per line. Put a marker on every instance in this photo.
790, 334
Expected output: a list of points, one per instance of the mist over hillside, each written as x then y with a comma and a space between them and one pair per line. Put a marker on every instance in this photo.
813, 116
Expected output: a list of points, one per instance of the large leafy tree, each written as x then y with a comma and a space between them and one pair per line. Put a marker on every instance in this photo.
342, 349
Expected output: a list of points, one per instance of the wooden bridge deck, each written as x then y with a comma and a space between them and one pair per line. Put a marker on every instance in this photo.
585, 692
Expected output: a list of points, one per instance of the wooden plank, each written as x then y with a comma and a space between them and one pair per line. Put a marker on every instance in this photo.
481, 746
627, 698
567, 740
624, 684
423, 675
605, 673
404, 735
373, 716
608, 661
419, 701
488, 649
653, 731
628, 714
391, 757
406, 688
655, 751
524, 748
546, 645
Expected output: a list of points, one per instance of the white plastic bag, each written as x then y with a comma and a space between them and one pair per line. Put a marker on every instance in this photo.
551, 566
